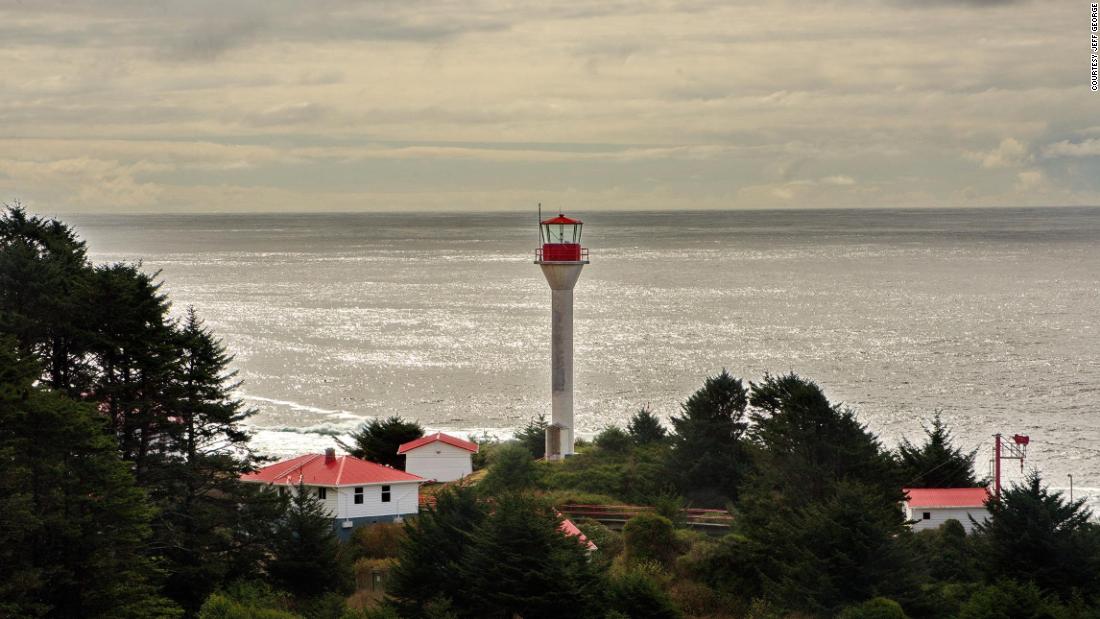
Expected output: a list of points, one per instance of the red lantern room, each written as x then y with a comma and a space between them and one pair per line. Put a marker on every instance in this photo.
561, 240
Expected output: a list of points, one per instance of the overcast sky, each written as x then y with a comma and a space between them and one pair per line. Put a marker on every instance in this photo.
138, 105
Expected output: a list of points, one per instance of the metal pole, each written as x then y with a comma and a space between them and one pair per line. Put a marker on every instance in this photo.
997, 466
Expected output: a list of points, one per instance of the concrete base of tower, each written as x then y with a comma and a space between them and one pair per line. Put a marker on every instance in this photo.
561, 276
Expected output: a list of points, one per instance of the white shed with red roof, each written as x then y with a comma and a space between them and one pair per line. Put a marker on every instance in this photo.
439, 457
355, 491
929, 508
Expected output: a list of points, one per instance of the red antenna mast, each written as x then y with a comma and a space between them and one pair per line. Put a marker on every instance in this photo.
1005, 450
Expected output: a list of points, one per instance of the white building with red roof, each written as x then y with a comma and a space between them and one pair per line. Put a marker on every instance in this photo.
439, 457
355, 491
929, 508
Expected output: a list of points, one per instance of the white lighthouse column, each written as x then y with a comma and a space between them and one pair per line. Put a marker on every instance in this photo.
562, 277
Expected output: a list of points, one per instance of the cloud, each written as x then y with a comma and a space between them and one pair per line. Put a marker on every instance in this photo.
96, 183
1010, 153
700, 104
1065, 148
285, 114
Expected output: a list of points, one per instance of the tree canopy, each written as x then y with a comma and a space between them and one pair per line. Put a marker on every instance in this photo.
645, 428
708, 454
936, 463
378, 440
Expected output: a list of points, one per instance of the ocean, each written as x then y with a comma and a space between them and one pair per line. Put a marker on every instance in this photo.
991, 317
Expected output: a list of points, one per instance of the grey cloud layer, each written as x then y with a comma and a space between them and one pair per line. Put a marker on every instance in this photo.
486, 104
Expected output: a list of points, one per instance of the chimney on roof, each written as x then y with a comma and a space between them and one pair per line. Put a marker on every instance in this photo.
330, 455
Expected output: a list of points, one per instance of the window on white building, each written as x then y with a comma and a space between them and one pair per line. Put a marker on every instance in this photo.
322, 493
385, 494
359, 495
927, 515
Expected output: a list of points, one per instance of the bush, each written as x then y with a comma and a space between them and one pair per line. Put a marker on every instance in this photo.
636, 594
486, 444
326, 606
1009, 598
695, 598
637, 476
609, 543
511, 470
614, 439
377, 541
219, 606
728, 564
649, 537
575, 497
875, 608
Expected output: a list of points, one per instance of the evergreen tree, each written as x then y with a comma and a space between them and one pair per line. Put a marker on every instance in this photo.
520, 563
432, 550
637, 595
533, 436
645, 428
378, 440
614, 439
197, 485
307, 560
1039, 536
511, 470
73, 526
937, 463
824, 556
135, 352
708, 455
43, 273
805, 445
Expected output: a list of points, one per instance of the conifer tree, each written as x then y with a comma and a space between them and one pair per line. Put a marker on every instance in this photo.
134, 350
206, 451
708, 455
511, 470
805, 444
432, 550
823, 556
533, 436
378, 440
1037, 535
43, 273
937, 463
307, 560
645, 428
73, 526
520, 563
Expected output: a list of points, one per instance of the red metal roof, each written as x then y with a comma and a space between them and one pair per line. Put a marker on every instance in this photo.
946, 497
570, 530
561, 219
441, 437
313, 470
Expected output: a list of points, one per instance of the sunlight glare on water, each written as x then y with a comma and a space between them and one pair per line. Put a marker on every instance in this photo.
990, 316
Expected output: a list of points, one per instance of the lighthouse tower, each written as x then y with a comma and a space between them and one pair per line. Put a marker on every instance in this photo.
561, 258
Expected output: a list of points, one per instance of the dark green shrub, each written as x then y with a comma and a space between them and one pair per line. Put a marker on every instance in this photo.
649, 537
875, 608
511, 470
637, 595
1009, 599
377, 541
614, 439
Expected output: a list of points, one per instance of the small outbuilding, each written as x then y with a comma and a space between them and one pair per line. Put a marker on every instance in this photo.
439, 457
356, 492
928, 508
